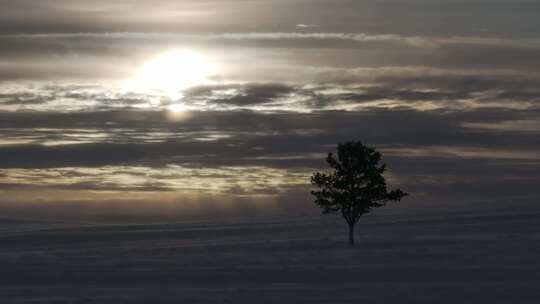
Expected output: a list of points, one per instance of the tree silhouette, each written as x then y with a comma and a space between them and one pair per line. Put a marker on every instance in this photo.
356, 184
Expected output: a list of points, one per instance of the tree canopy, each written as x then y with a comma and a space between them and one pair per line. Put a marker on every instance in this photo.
355, 184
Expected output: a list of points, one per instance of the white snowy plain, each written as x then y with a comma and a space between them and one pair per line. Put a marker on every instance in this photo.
400, 257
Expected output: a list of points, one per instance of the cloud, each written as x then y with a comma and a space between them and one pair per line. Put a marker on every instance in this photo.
302, 25
89, 38
455, 111
429, 153
416, 88
248, 180
244, 137
238, 95
116, 52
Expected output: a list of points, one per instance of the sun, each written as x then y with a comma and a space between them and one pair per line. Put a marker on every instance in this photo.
175, 71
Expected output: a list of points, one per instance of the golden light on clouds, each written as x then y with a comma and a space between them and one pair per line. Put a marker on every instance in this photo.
236, 180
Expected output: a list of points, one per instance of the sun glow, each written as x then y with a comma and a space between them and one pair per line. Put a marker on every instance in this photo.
175, 71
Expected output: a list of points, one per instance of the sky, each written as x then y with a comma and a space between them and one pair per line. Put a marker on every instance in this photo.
134, 110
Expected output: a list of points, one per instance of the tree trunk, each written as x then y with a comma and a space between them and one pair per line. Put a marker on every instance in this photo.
351, 234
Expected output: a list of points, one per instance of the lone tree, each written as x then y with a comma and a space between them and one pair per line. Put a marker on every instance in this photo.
356, 184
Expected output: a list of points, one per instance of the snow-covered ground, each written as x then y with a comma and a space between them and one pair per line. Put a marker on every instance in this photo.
400, 257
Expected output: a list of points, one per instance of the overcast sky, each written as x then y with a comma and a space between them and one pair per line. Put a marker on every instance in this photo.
132, 109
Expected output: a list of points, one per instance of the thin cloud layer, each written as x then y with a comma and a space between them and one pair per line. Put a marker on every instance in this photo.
453, 106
